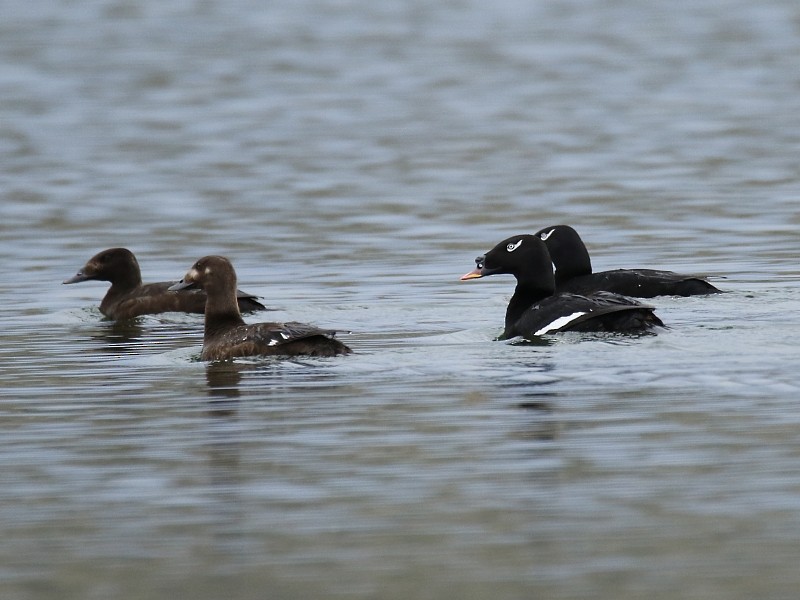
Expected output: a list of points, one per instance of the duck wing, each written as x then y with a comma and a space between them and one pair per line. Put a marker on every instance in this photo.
599, 312
267, 339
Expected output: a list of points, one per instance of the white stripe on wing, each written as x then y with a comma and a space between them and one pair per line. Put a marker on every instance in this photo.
559, 323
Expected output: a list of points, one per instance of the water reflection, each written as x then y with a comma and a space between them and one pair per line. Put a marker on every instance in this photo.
223, 449
119, 336
539, 420
223, 380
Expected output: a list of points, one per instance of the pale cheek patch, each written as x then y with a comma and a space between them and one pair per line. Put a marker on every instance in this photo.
559, 323
208, 271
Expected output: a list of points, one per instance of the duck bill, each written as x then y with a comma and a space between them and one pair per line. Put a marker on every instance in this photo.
77, 278
474, 274
181, 285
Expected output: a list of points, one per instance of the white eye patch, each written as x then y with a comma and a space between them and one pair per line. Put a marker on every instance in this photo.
547, 234
512, 247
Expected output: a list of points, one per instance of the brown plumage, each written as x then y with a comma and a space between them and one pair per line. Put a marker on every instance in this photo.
228, 336
128, 297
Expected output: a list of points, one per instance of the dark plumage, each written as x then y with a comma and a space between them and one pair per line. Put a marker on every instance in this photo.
535, 308
574, 271
128, 297
228, 336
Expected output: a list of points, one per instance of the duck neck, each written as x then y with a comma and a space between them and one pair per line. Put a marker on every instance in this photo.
572, 261
565, 272
124, 281
222, 311
525, 296
121, 285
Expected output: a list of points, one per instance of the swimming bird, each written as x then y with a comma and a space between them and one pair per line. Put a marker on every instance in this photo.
128, 297
535, 309
228, 336
573, 271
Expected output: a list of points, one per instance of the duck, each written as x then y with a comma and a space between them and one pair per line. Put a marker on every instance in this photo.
537, 309
573, 271
128, 297
227, 336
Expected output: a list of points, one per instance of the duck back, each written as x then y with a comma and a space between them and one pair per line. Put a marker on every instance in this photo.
639, 283
271, 339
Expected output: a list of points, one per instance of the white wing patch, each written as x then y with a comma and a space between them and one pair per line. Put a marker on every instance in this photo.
559, 323
512, 247
273, 343
547, 234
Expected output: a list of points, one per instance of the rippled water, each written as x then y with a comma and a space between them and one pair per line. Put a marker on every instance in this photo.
352, 158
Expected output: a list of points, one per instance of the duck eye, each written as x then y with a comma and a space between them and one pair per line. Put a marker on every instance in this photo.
513, 246
547, 234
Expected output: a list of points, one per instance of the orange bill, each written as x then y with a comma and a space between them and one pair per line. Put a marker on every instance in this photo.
474, 274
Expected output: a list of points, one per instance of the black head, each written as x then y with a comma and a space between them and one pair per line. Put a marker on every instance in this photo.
114, 265
567, 251
523, 256
210, 273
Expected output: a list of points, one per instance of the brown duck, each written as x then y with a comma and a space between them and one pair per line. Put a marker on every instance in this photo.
128, 297
228, 336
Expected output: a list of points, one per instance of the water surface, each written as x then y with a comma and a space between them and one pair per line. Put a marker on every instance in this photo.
352, 159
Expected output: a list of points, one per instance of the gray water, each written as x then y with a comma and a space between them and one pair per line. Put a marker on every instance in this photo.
352, 158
